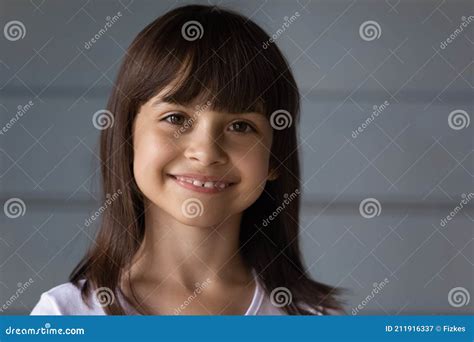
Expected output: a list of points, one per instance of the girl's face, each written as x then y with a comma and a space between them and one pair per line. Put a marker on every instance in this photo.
198, 165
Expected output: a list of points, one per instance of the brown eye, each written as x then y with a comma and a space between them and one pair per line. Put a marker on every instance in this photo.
242, 127
175, 119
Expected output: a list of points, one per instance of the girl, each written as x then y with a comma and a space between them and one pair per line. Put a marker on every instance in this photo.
206, 220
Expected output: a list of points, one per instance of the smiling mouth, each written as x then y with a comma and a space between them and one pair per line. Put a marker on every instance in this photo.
203, 186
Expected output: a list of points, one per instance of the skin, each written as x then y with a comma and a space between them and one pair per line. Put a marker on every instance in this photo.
179, 250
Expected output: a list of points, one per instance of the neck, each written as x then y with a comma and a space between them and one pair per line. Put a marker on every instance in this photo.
186, 254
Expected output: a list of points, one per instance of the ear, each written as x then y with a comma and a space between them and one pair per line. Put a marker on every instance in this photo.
272, 174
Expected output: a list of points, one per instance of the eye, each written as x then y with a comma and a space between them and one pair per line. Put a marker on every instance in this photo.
177, 119
242, 127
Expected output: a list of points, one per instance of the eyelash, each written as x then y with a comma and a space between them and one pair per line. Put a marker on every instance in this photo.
253, 130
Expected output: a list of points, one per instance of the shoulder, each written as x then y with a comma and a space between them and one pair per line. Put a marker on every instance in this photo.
322, 311
267, 308
333, 312
65, 299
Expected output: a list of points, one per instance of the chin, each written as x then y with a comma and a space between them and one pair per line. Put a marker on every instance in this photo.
202, 221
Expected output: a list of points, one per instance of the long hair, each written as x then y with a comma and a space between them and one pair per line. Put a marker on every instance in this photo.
229, 58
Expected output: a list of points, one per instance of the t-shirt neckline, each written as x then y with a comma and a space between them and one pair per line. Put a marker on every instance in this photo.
253, 308
257, 297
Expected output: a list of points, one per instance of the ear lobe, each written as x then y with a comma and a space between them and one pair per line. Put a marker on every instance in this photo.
272, 175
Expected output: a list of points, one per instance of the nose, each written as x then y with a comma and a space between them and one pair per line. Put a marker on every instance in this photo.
205, 147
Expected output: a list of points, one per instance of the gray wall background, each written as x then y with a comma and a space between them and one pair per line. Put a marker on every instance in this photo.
408, 158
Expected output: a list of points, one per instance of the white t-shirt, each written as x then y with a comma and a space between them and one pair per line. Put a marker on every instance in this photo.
66, 299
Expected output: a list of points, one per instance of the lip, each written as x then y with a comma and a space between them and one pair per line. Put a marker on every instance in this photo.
204, 178
201, 178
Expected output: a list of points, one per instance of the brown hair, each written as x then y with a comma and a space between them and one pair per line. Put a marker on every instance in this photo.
231, 62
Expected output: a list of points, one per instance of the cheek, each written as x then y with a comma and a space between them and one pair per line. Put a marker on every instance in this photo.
151, 153
253, 167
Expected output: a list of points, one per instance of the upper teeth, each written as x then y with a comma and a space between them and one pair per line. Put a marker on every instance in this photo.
195, 182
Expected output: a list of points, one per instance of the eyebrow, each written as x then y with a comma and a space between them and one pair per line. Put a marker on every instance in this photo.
161, 101
166, 101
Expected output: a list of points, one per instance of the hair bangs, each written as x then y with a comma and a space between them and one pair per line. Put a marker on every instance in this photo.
223, 68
